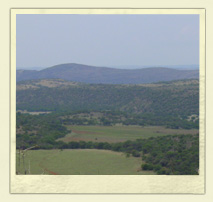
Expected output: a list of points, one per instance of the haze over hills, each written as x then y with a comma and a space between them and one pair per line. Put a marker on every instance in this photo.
106, 75
30, 68
178, 67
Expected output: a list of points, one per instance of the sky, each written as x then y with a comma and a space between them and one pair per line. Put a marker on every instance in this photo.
45, 40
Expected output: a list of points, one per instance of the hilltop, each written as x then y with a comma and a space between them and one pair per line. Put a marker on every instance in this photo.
106, 75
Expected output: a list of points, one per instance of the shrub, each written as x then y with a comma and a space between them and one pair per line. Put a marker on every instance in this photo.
147, 166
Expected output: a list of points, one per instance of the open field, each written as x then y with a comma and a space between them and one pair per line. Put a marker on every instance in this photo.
119, 133
79, 162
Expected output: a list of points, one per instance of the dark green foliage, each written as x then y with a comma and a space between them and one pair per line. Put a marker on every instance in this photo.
108, 118
41, 130
173, 154
167, 155
147, 166
167, 104
135, 153
177, 154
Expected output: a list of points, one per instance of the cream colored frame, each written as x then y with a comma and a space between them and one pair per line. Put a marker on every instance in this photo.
108, 183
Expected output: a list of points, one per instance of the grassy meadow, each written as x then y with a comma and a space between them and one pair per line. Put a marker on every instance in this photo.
79, 162
119, 133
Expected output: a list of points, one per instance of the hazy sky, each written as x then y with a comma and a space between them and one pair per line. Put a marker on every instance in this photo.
107, 40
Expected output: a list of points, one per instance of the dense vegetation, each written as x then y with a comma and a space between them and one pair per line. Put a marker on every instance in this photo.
177, 154
172, 154
109, 118
171, 104
38, 130
168, 103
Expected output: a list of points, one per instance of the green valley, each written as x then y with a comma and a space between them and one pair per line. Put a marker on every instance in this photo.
126, 129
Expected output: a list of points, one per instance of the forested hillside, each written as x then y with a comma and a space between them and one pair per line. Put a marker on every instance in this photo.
177, 98
153, 103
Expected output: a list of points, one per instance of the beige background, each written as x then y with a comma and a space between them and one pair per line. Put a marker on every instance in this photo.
111, 183
4, 72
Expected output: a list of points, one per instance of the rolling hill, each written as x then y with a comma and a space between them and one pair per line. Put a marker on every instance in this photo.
171, 98
106, 75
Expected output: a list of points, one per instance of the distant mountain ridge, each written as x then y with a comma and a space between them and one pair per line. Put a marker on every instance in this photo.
178, 67
105, 75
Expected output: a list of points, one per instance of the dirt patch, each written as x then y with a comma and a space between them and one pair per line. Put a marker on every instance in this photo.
33, 113
24, 87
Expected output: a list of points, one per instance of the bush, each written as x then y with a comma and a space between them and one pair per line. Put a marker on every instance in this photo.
147, 166
162, 171
135, 153
157, 167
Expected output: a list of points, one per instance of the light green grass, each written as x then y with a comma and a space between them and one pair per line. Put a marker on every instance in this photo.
119, 133
80, 162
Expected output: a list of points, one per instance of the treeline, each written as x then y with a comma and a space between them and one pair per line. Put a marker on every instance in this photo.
177, 154
167, 155
44, 129
40, 130
109, 118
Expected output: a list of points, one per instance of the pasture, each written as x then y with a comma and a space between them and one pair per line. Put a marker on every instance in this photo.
79, 162
119, 133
